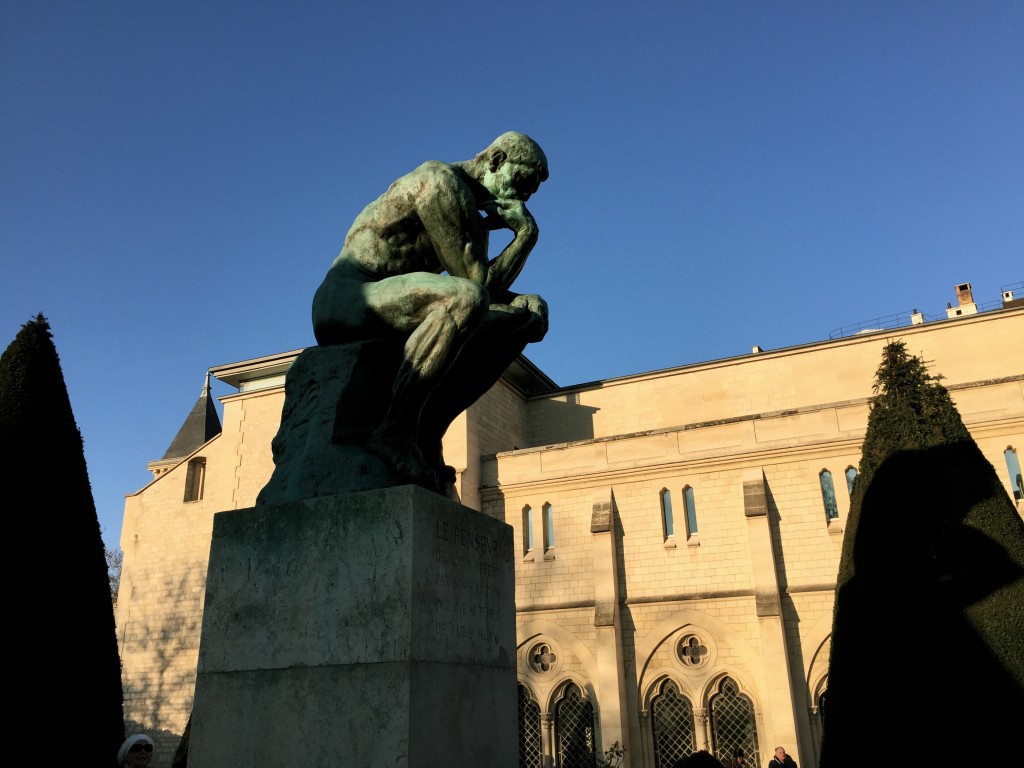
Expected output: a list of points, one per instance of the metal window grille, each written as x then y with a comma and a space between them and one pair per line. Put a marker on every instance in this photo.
672, 722
574, 730
733, 725
529, 730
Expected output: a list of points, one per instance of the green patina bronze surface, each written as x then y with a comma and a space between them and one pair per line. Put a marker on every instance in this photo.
414, 268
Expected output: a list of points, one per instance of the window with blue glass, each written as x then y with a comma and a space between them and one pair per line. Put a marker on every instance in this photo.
828, 495
549, 527
667, 525
691, 512
527, 529
851, 475
1013, 467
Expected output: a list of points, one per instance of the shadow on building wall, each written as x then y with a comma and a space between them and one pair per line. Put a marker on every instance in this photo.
564, 420
154, 687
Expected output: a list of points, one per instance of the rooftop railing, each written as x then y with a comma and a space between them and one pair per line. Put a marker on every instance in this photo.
902, 319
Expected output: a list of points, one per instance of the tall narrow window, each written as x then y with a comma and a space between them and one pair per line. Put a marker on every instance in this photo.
668, 527
828, 495
527, 529
851, 475
1013, 467
195, 476
691, 512
529, 729
549, 527
733, 722
671, 726
574, 729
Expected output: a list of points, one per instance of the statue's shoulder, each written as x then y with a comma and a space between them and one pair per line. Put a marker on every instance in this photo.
437, 172
433, 179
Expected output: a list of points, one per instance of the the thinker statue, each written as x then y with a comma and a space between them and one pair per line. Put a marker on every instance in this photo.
414, 268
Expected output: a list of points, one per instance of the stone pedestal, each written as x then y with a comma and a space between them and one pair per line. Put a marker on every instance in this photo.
360, 630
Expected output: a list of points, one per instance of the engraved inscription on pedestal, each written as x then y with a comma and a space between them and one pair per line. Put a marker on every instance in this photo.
467, 584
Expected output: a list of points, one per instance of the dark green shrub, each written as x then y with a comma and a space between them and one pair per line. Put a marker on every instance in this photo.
928, 628
68, 685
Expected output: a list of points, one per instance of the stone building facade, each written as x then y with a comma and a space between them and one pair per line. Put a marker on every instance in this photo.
677, 532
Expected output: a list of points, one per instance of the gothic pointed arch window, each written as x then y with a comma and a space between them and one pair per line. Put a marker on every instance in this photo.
528, 539
691, 512
671, 725
529, 729
851, 475
548, 520
828, 495
575, 745
733, 722
668, 526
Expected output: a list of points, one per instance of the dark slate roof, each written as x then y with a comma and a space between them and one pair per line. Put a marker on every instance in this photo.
200, 425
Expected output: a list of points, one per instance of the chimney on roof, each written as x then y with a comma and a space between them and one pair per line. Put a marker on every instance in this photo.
965, 302
1010, 301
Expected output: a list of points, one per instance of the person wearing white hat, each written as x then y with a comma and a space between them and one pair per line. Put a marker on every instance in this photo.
135, 752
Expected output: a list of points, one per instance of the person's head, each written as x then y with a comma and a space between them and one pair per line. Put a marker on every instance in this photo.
513, 166
136, 751
780, 752
738, 754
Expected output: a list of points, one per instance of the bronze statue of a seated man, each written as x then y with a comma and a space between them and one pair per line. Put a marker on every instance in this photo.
414, 267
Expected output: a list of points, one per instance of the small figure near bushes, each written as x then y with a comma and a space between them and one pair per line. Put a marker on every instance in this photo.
781, 759
135, 752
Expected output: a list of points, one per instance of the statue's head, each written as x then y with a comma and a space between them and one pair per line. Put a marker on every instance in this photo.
515, 166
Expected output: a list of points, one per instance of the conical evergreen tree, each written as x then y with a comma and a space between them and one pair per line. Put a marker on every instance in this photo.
927, 657
68, 687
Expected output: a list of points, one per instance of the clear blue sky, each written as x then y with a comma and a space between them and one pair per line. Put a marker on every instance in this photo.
176, 177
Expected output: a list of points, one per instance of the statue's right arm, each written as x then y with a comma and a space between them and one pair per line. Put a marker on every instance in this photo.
448, 213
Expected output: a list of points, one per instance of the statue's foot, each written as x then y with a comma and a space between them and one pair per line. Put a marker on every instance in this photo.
404, 457
447, 487
446, 474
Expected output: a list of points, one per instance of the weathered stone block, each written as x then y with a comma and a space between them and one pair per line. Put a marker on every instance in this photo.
366, 629
334, 397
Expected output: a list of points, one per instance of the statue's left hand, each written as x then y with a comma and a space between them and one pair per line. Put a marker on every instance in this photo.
537, 326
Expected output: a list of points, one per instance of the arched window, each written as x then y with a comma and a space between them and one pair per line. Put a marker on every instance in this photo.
529, 729
527, 529
1013, 467
851, 475
828, 495
574, 730
671, 726
733, 724
667, 526
549, 528
195, 477
691, 512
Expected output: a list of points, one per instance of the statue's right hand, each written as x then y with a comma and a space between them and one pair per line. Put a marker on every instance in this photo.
511, 214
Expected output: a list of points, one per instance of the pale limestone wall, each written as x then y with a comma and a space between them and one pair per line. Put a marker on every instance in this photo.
815, 413
787, 414
166, 544
974, 348
493, 423
254, 420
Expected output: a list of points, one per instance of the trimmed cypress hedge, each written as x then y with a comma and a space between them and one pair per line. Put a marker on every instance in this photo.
68, 681
927, 656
